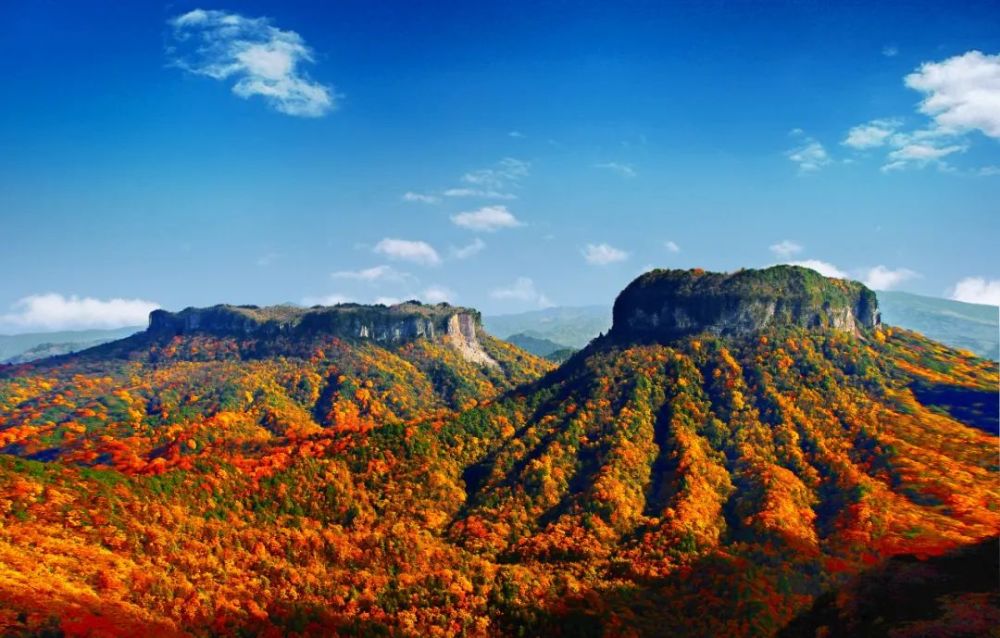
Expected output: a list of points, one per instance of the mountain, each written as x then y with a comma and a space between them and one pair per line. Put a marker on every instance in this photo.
733, 449
735, 446
30, 346
537, 346
571, 326
973, 327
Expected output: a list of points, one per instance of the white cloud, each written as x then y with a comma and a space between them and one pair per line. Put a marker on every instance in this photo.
890, 51
469, 250
961, 93
603, 254
988, 171
977, 290
811, 156
325, 300
523, 289
672, 246
506, 171
516, 134
418, 252
387, 301
786, 248
625, 170
872, 134
487, 218
262, 59
384, 273
822, 267
420, 198
919, 154
882, 278
475, 192
53, 311
437, 294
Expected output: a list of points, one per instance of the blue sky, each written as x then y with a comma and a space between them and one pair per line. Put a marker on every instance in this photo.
505, 156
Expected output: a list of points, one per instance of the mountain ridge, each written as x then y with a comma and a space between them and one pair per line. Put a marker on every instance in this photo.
264, 479
667, 304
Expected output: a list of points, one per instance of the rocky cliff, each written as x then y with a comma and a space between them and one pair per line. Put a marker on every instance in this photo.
456, 326
666, 304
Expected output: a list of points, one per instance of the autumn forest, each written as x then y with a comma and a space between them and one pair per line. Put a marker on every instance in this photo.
251, 478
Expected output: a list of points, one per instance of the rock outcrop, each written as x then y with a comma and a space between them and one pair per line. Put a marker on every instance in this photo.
455, 326
666, 304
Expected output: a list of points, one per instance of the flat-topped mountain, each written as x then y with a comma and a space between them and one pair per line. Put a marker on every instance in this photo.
401, 322
285, 329
666, 304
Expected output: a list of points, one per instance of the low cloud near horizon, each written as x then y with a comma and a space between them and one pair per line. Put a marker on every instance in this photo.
52, 311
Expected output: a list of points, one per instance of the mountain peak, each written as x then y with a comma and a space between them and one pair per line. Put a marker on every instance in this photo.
667, 304
408, 321
400, 322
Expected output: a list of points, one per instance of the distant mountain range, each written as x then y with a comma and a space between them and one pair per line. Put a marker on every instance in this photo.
22, 348
968, 326
972, 327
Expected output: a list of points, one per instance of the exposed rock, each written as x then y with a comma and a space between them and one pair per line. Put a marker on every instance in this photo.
667, 304
456, 326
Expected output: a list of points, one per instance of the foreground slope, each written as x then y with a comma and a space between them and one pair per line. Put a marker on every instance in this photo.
731, 449
735, 447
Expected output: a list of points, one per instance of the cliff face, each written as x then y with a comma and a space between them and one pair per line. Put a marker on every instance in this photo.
667, 304
401, 323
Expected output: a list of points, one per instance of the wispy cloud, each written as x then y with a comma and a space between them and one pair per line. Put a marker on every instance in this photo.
810, 155
437, 294
264, 60
961, 95
383, 273
872, 134
469, 250
977, 290
523, 290
625, 170
603, 254
919, 154
420, 198
672, 246
52, 311
475, 192
418, 252
785, 248
515, 134
486, 219
878, 277
884, 278
325, 300
824, 268
890, 50
506, 172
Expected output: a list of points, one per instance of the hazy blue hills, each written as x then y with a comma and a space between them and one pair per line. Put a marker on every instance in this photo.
21, 348
569, 326
970, 326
